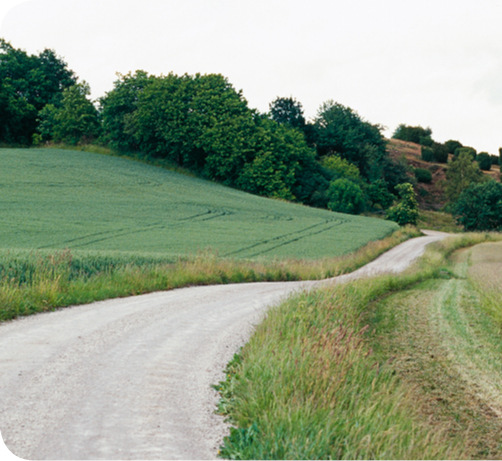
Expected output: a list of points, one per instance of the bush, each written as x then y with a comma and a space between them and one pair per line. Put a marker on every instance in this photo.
479, 207
345, 196
452, 145
405, 211
379, 195
427, 154
440, 152
484, 160
416, 134
423, 175
470, 150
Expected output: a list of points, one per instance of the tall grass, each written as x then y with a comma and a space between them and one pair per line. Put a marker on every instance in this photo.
307, 385
33, 282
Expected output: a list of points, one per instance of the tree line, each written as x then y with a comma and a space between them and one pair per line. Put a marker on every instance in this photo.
474, 198
202, 123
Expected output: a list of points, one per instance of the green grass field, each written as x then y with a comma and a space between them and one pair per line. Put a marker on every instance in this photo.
401, 367
58, 199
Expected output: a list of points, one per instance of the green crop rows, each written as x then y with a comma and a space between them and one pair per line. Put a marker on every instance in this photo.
57, 199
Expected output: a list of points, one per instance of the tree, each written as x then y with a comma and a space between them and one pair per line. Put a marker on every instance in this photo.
280, 164
479, 207
341, 168
469, 150
73, 121
461, 173
405, 211
451, 146
118, 105
341, 131
199, 122
287, 111
484, 161
415, 134
27, 84
345, 196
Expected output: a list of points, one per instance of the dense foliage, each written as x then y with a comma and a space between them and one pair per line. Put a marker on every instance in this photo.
203, 124
27, 84
416, 134
461, 173
479, 207
405, 210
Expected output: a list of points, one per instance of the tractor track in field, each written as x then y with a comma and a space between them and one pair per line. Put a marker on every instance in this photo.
131, 378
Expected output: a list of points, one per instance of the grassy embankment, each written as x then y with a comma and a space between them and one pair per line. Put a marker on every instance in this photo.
401, 367
38, 282
78, 227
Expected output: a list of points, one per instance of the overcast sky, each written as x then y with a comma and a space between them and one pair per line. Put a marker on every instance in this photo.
434, 63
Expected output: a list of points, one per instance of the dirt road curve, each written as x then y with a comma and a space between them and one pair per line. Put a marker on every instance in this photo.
130, 378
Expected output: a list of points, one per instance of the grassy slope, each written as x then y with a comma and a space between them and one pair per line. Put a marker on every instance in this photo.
57, 199
131, 228
405, 367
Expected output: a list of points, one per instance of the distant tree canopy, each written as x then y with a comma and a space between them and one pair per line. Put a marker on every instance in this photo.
405, 210
338, 130
202, 123
479, 207
462, 172
415, 134
27, 84
73, 120
288, 111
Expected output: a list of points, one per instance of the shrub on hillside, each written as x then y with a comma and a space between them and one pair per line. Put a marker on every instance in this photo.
405, 211
470, 150
479, 207
423, 175
451, 145
427, 154
484, 160
345, 196
416, 134
440, 152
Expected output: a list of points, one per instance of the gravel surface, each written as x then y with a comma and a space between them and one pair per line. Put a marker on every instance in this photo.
131, 378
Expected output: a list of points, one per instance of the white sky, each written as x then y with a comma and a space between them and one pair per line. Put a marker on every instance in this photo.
435, 63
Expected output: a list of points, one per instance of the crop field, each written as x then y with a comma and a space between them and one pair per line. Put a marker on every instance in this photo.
52, 199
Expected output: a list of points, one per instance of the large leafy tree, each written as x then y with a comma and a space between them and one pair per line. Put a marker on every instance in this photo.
287, 111
73, 120
479, 207
280, 164
341, 131
405, 210
118, 105
199, 122
27, 84
461, 173
416, 134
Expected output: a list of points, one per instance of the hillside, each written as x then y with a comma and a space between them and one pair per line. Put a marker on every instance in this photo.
430, 196
57, 199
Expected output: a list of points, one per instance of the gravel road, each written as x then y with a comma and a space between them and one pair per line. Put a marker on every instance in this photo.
131, 378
